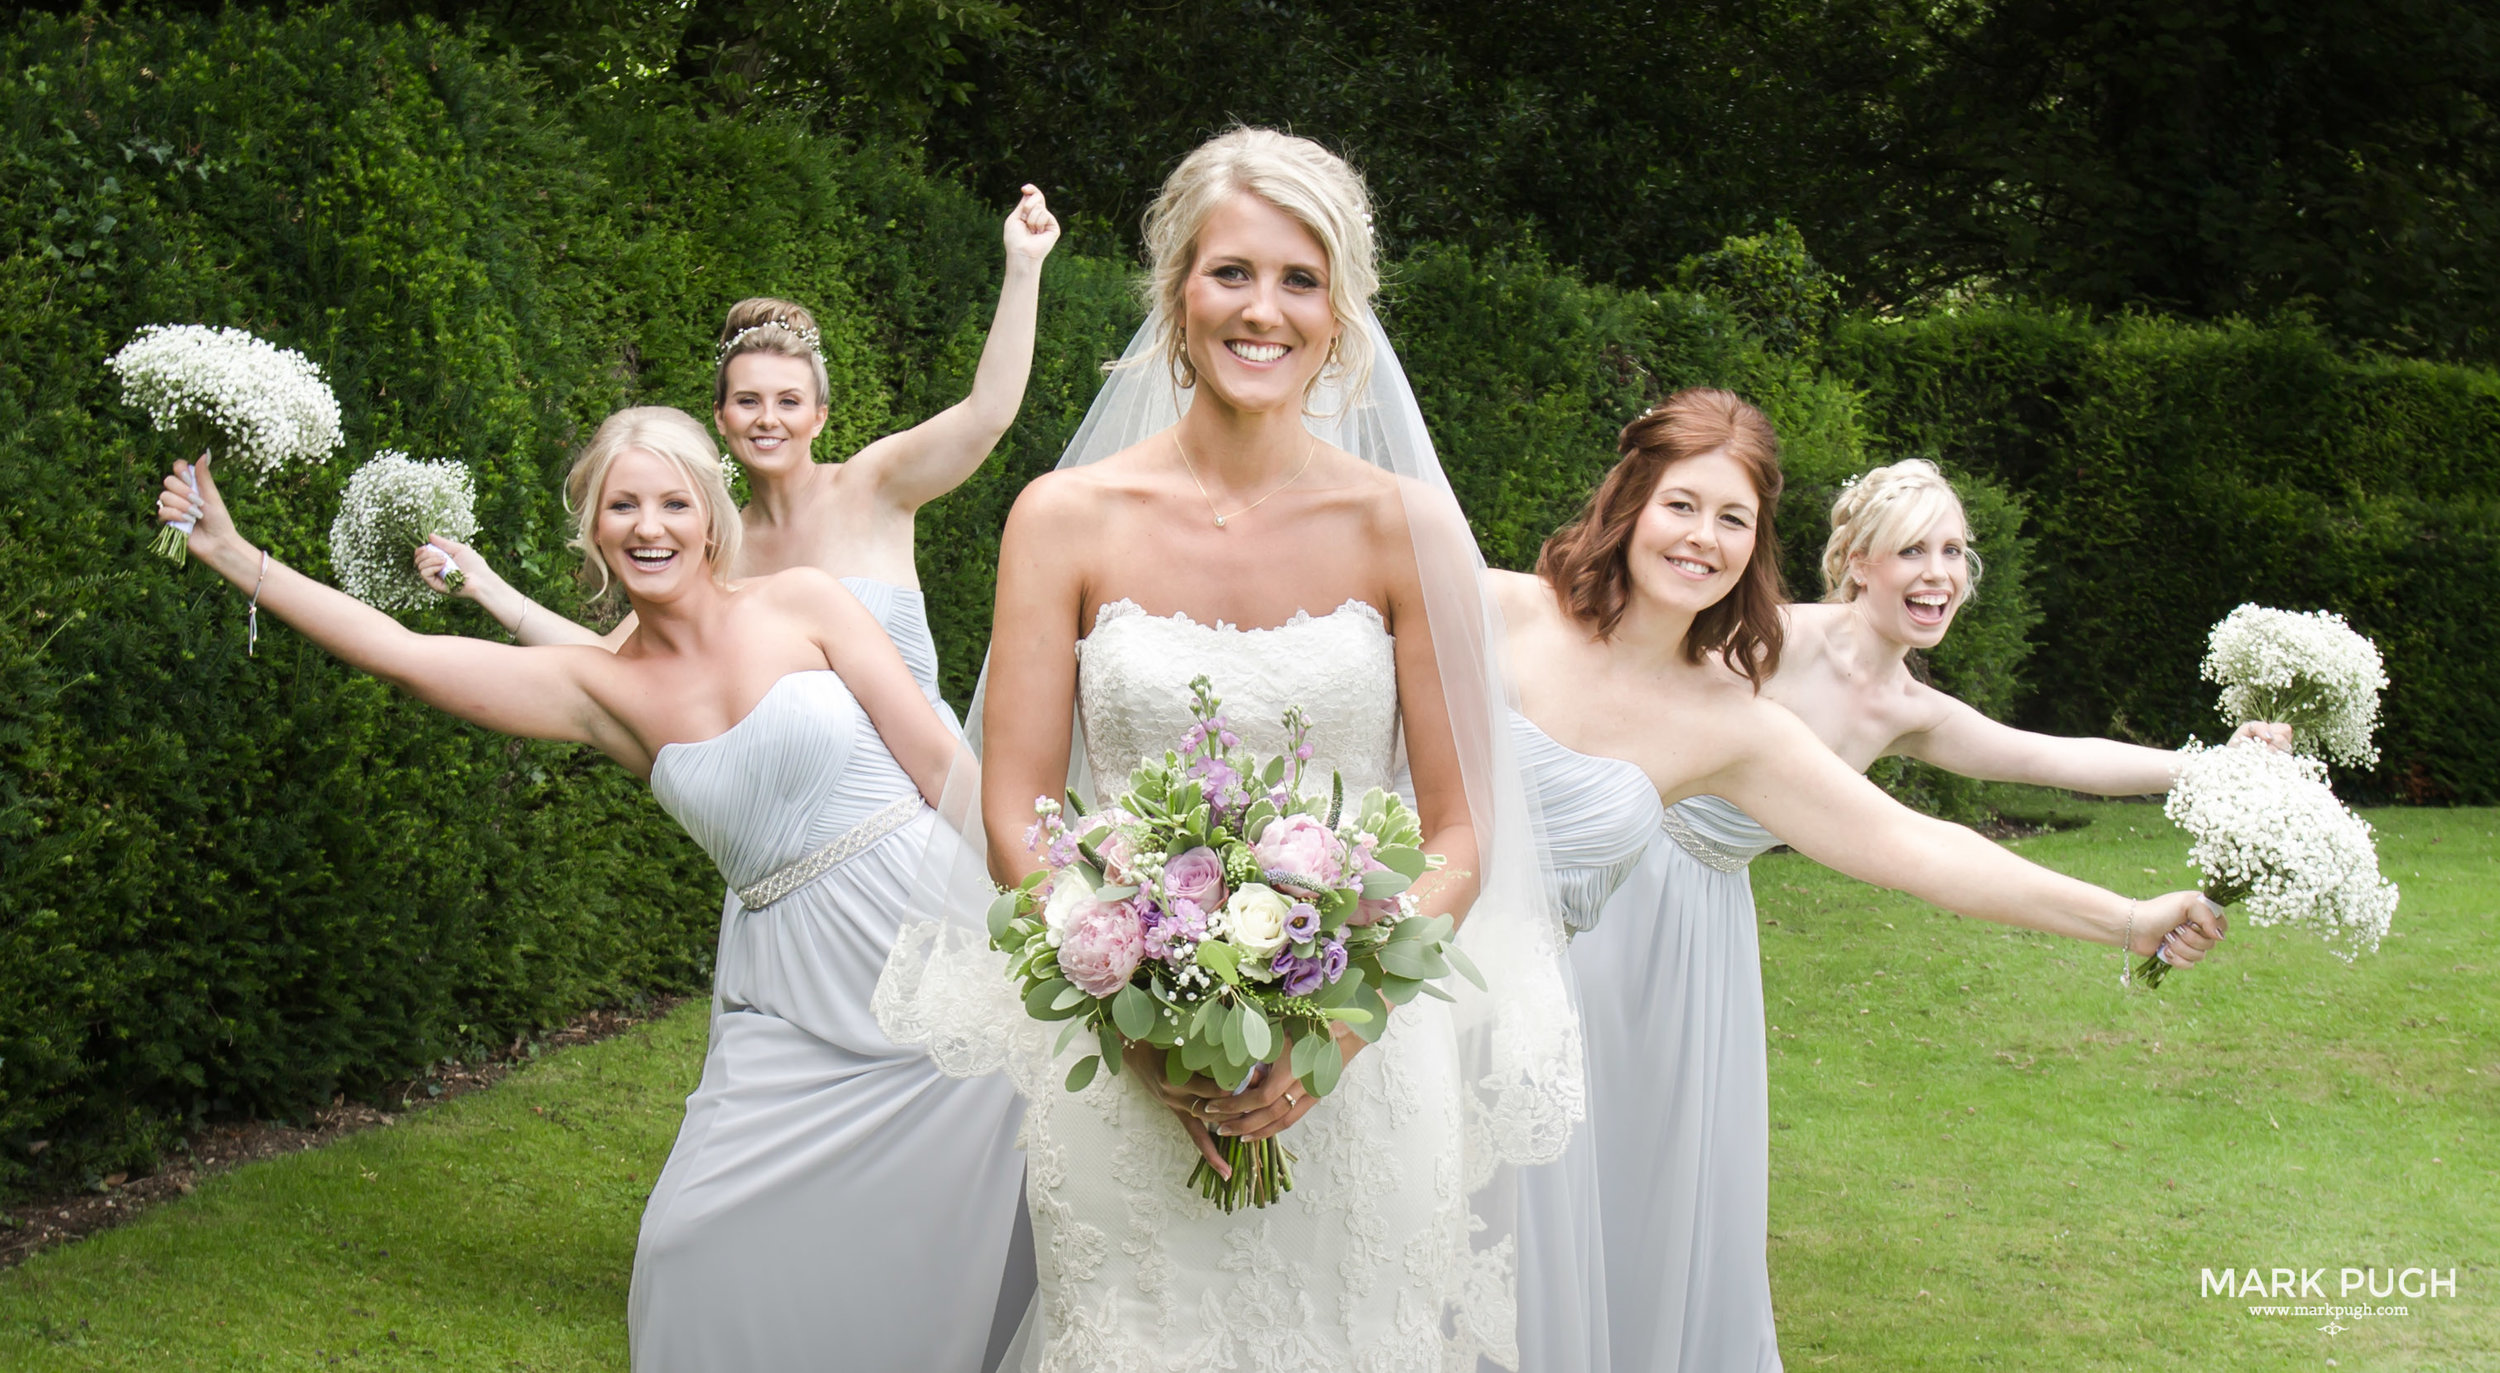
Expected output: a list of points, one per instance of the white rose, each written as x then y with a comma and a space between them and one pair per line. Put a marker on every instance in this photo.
1068, 894
1254, 919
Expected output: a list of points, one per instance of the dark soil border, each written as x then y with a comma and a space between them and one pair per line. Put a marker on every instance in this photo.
29, 1228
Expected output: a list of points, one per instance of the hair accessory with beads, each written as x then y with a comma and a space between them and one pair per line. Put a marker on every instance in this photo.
806, 336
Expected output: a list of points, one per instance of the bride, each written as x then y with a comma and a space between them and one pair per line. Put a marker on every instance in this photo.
1237, 543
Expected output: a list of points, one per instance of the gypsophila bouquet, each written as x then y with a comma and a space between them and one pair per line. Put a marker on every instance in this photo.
2311, 671
392, 505
2271, 838
1216, 912
250, 400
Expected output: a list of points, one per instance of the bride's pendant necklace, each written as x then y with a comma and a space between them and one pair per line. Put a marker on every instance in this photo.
1309, 451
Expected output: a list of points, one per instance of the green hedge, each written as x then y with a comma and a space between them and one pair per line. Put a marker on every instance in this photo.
2172, 471
239, 885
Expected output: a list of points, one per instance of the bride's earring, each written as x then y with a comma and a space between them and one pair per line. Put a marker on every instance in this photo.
1184, 372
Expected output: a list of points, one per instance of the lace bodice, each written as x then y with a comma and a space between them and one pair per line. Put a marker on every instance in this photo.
1599, 814
1133, 699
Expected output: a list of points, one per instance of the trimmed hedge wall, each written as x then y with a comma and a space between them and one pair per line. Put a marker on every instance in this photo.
239, 885
2172, 471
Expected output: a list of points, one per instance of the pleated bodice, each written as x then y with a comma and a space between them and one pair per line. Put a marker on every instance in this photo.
801, 769
1597, 817
905, 614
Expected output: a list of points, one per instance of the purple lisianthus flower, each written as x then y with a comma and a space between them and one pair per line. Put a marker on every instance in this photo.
1302, 923
1332, 958
1298, 976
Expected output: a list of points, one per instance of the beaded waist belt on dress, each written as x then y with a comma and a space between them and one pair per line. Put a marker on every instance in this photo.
852, 843
1697, 844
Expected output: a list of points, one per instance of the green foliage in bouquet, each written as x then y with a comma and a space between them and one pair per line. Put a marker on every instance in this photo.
1217, 913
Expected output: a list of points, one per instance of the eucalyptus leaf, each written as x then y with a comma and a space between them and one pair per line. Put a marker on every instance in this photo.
1083, 1073
1133, 1010
1257, 1036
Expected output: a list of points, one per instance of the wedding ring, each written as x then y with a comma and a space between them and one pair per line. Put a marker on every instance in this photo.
1290, 1098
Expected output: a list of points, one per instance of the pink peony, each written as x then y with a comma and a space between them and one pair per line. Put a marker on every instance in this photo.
1100, 946
1303, 847
1196, 876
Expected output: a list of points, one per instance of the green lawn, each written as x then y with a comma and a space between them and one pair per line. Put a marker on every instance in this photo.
1982, 1153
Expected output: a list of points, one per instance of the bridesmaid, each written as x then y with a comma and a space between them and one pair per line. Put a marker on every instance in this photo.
832, 1198
771, 398
1897, 567
1639, 648
1672, 982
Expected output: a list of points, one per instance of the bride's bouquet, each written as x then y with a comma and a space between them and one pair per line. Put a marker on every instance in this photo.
247, 399
2272, 839
393, 504
1216, 912
2311, 671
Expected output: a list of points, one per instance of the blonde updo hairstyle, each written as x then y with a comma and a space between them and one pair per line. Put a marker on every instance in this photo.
1889, 508
763, 324
1301, 178
675, 437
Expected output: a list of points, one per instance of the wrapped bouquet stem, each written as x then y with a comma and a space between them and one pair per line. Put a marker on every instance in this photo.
2271, 839
240, 397
1222, 915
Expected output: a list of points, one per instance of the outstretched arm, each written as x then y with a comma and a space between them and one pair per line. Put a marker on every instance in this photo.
1802, 792
1972, 745
527, 620
534, 693
933, 457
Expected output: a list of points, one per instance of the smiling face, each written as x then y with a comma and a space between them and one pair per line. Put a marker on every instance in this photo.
651, 529
1694, 539
1911, 593
771, 413
1255, 306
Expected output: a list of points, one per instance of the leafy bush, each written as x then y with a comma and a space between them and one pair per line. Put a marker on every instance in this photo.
2172, 471
235, 884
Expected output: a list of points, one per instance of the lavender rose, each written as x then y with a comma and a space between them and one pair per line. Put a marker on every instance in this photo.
1303, 847
1196, 876
1101, 946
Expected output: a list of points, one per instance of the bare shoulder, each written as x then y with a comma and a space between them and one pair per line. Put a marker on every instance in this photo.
803, 588
1523, 597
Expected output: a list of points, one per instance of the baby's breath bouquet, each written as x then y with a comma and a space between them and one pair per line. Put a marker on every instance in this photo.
2308, 670
2273, 840
242, 398
1221, 915
392, 506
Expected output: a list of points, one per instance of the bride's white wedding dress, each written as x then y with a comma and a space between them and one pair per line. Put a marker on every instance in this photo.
1367, 1264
